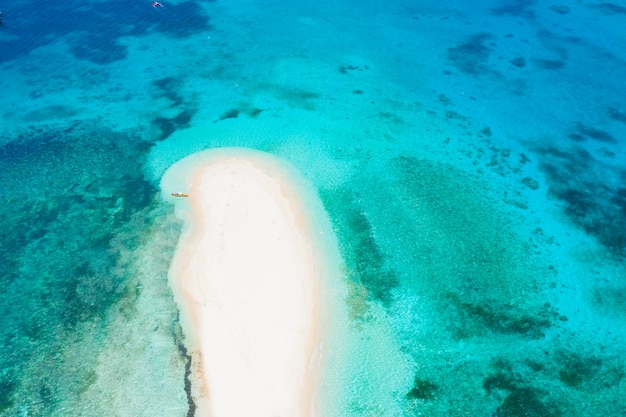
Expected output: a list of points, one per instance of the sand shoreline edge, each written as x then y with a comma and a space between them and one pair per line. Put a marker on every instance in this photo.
248, 278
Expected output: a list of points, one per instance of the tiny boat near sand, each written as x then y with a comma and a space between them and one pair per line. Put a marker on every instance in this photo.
180, 195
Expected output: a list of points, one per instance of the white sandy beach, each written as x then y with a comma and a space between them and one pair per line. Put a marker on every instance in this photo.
247, 277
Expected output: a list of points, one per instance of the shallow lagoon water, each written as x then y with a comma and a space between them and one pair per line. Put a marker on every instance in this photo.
470, 159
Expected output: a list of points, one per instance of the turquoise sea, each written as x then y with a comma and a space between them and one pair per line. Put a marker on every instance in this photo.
470, 155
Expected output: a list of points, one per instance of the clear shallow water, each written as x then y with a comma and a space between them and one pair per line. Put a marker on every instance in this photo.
470, 158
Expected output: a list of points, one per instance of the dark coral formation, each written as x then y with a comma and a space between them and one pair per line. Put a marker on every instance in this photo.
519, 62
472, 56
583, 132
526, 402
525, 383
422, 389
7, 388
168, 88
576, 368
516, 8
104, 206
63, 205
610, 8
522, 398
617, 114
365, 260
531, 183
230, 114
498, 317
167, 126
577, 179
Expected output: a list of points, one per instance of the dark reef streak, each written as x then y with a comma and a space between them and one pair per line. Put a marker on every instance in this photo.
178, 339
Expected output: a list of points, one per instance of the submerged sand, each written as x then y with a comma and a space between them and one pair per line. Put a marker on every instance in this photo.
247, 278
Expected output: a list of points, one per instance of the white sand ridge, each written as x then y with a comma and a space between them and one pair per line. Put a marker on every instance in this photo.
246, 275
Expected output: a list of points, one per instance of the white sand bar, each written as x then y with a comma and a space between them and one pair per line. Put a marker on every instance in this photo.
247, 277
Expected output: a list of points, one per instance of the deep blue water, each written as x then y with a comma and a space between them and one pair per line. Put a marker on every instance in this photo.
96, 26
